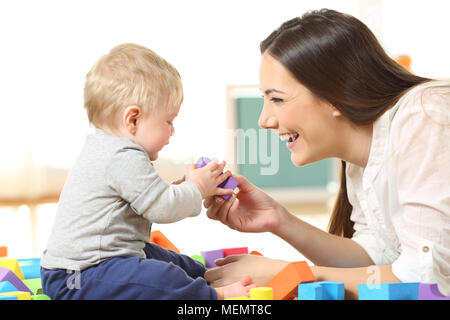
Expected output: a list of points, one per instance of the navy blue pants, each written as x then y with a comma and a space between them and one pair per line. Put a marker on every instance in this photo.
164, 274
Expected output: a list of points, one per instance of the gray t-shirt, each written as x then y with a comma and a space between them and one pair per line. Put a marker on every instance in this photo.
111, 197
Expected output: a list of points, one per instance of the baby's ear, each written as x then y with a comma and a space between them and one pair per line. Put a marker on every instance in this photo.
130, 117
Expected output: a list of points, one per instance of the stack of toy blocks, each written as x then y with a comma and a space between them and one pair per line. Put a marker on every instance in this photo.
20, 279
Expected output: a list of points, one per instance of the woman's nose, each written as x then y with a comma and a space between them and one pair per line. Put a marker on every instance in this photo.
267, 119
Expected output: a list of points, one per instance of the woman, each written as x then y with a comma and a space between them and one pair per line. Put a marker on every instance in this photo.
331, 91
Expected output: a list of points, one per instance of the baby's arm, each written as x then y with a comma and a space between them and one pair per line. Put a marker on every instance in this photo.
237, 289
132, 176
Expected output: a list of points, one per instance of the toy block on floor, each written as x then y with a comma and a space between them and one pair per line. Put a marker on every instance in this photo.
31, 268
199, 258
430, 291
7, 275
6, 286
261, 293
211, 256
285, 283
230, 251
322, 290
21, 295
389, 291
3, 252
13, 265
310, 291
5, 297
33, 284
161, 240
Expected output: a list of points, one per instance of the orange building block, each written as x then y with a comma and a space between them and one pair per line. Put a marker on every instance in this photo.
160, 239
285, 283
256, 253
3, 252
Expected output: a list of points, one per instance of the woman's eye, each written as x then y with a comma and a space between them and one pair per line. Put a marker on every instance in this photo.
276, 100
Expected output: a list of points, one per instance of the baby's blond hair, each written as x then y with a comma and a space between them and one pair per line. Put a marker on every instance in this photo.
130, 74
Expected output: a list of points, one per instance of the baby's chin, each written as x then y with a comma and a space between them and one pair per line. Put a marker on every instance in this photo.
153, 156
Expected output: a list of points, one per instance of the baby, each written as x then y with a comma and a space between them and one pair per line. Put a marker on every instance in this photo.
99, 246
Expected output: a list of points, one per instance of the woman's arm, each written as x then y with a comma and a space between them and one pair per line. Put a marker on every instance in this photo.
320, 247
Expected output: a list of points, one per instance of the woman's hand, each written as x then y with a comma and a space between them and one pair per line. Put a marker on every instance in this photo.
231, 269
251, 210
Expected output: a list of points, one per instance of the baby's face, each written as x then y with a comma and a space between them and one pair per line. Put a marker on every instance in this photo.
154, 131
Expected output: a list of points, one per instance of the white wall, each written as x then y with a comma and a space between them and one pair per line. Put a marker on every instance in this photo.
48, 46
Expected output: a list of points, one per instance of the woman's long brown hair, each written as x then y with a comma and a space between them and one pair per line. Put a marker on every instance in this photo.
339, 59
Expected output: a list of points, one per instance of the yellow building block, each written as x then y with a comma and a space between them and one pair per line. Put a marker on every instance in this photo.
261, 293
21, 295
13, 265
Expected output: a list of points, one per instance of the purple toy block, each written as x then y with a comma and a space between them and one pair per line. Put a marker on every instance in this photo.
230, 183
203, 161
211, 256
8, 275
430, 291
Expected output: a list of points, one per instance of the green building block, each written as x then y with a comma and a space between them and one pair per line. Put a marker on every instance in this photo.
199, 258
34, 285
40, 297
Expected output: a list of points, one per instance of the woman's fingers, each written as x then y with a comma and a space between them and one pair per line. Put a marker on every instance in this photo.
222, 214
219, 209
228, 259
222, 192
208, 202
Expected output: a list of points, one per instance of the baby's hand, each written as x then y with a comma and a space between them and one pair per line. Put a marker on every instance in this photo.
208, 178
237, 289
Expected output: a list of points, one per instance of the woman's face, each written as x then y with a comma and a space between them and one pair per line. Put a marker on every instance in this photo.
304, 121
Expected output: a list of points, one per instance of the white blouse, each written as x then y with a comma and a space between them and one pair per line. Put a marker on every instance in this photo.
401, 199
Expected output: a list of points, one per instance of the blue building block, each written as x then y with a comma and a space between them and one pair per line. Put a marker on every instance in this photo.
322, 290
31, 268
332, 290
2, 297
310, 291
389, 291
6, 286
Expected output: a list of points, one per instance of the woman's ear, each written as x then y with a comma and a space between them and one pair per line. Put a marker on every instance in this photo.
130, 118
335, 113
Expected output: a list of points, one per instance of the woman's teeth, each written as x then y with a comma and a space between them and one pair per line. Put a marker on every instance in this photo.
290, 137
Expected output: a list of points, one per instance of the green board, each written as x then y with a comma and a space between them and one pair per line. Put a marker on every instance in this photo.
265, 160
